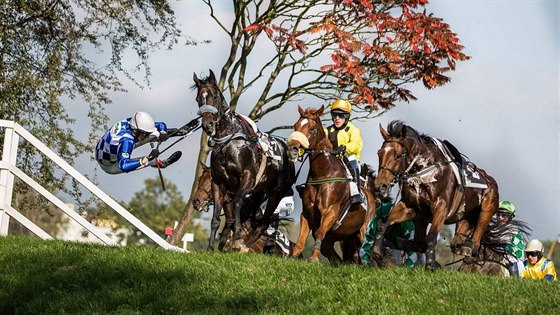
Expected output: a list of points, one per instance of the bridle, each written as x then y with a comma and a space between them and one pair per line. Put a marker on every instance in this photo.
217, 111
403, 158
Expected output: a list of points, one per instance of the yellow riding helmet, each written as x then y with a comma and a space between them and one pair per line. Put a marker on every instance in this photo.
341, 105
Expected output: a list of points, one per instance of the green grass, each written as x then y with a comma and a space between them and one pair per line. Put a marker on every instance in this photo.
57, 277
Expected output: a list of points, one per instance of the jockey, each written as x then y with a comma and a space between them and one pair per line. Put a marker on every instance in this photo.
404, 231
276, 237
346, 139
513, 261
536, 265
115, 147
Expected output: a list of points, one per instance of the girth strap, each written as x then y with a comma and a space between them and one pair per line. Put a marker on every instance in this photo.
261, 169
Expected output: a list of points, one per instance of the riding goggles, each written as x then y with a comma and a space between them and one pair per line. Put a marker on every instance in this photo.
534, 254
335, 115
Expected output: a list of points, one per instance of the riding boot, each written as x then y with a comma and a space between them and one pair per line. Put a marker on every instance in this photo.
355, 191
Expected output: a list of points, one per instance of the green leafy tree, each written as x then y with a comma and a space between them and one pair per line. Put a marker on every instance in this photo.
363, 50
53, 51
158, 209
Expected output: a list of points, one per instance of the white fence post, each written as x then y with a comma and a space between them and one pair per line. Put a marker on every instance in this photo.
9, 155
8, 170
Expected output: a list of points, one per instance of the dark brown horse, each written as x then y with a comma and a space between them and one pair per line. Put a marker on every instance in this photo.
326, 197
239, 165
493, 256
268, 244
431, 192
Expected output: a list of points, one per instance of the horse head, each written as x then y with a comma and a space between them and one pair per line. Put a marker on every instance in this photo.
211, 104
203, 195
308, 133
395, 155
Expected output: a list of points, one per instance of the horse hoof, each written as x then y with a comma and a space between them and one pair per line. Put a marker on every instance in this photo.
313, 259
465, 251
378, 259
432, 265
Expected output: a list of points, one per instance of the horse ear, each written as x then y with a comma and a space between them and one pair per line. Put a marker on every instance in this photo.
212, 77
300, 110
320, 111
384, 132
196, 80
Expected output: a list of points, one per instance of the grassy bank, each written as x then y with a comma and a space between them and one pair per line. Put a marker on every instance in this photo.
60, 277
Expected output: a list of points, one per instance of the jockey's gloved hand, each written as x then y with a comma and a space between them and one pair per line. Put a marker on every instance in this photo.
163, 135
153, 154
340, 149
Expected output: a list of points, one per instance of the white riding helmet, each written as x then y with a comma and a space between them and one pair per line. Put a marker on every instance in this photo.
534, 246
144, 122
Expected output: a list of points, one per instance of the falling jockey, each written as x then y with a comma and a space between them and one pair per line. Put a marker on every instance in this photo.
113, 151
347, 139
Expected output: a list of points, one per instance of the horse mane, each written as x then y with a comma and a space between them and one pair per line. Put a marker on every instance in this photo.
398, 129
498, 236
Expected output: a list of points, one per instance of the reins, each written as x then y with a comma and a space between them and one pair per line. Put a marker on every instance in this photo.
321, 180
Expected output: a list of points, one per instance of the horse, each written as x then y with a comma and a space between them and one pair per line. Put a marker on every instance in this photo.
276, 244
493, 256
327, 211
432, 191
239, 164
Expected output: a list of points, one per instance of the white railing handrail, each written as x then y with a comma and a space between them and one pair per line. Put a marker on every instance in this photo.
14, 171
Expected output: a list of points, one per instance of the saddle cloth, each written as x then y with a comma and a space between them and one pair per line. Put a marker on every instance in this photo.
467, 174
270, 145
278, 238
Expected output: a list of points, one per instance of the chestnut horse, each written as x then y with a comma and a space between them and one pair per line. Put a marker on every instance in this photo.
268, 244
431, 191
239, 164
326, 196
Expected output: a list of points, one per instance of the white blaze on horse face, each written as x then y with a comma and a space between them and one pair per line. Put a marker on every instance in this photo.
204, 95
303, 122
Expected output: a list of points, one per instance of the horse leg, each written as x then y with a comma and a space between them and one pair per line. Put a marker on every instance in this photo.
226, 237
303, 234
463, 233
238, 243
215, 225
327, 249
271, 206
398, 214
327, 221
489, 206
438, 218
350, 249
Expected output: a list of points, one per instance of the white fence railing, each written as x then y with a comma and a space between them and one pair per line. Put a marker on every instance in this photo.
8, 172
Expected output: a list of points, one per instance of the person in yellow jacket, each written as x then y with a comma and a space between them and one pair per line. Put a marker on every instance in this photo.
347, 139
537, 266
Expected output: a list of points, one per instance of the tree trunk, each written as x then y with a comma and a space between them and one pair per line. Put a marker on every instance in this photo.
180, 230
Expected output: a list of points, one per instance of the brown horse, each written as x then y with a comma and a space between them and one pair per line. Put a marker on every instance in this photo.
431, 192
326, 197
239, 164
274, 243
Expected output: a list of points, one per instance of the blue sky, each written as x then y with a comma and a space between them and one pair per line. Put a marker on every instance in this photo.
501, 108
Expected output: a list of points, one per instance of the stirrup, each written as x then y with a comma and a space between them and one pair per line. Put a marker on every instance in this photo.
357, 199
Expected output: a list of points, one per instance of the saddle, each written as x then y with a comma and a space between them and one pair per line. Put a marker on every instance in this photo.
268, 144
466, 171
